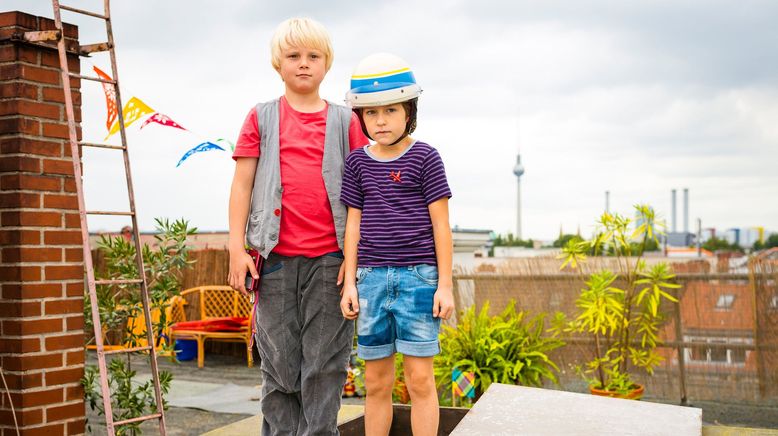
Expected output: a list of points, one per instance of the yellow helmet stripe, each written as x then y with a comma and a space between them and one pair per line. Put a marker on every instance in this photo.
373, 76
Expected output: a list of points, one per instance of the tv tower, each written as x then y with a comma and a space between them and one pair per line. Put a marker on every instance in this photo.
518, 170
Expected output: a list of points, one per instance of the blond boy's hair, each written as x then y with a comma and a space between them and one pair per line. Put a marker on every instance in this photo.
300, 32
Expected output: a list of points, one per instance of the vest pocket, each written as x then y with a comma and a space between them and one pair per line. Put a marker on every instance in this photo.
254, 230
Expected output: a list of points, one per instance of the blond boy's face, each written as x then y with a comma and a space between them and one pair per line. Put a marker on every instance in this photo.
302, 69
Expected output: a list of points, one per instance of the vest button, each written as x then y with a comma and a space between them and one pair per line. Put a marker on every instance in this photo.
277, 212
273, 237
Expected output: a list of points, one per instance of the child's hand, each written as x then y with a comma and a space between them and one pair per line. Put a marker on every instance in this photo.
349, 303
240, 263
443, 303
341, 274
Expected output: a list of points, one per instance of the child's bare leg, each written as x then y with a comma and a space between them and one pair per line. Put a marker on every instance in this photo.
379, 380
420, 379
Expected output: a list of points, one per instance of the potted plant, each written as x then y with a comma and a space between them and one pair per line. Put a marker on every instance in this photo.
119, 308
622, 310
507, 348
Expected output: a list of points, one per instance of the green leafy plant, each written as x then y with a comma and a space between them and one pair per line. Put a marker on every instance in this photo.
120, 306
505, 348
620, 310
129, 398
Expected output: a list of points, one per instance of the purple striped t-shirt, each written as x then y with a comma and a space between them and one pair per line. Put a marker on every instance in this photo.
394, 196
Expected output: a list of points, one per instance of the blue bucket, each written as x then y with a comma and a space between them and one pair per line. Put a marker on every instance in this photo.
185, 349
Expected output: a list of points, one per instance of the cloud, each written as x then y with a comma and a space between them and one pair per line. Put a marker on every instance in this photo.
632, 97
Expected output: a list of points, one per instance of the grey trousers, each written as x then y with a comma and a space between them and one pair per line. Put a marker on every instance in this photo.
304, 343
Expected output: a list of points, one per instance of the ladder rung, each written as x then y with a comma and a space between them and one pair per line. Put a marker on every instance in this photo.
103, 212
127, 350
81, 11
138, 419
119, 282
92, 144
96, 79
88, 49
43, 35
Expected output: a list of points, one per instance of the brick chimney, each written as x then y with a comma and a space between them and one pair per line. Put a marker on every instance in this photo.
41, 262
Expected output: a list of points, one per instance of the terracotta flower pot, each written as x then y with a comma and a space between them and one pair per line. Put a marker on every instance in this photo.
401, 391
635, 394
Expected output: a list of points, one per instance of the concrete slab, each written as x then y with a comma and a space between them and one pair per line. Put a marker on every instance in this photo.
511, 410
213, 397
251, 426
227, 398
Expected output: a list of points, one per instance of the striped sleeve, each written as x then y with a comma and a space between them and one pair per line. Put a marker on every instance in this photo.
434, 184
351, 190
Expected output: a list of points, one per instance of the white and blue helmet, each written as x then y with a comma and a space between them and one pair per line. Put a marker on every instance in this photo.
382, 79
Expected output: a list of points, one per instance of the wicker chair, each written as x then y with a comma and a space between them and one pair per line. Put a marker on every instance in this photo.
213, 302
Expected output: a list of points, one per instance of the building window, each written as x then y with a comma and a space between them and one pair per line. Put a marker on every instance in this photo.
702, 351
698, 353
718, 355
738, 355
725, 302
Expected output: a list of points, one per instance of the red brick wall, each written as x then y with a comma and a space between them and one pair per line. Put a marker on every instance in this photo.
42, 286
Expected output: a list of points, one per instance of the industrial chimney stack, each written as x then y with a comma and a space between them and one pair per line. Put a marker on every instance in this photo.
686, 210
673, 216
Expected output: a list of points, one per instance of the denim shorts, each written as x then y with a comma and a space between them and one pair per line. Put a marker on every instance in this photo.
395, 311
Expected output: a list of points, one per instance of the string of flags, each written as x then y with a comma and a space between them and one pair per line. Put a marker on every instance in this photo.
135, 109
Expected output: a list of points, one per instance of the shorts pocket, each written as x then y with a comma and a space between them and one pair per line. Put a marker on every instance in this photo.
361, 273
426, 273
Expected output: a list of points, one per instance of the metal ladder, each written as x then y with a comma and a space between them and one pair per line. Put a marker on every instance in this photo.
85, 50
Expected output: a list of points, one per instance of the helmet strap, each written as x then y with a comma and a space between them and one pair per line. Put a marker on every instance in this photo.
406, 133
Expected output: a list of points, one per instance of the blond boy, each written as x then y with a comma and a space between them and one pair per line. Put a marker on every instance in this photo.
284, 202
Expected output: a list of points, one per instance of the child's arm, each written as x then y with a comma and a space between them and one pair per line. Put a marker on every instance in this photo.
349, 303
443, 305
240, 199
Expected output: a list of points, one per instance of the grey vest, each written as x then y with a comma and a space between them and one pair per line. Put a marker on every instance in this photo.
265, 220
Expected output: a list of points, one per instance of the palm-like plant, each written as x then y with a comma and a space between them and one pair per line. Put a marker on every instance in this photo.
621, 310
120, 305
506, 348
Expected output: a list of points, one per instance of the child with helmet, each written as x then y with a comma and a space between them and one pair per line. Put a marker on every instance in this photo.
398, 280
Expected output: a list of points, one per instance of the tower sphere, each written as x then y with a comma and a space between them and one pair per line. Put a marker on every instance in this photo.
518, 170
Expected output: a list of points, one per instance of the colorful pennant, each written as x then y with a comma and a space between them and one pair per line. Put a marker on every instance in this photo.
133, 111
162, 119
110, 99
205, 146
463, 383
136, 109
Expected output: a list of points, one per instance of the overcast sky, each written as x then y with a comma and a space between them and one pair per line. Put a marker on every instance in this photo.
633, 97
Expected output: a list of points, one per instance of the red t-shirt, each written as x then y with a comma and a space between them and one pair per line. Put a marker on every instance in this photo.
307, 227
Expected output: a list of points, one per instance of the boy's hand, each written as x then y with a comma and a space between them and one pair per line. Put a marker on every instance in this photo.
240, 263
341, 273
443, 303
349, 303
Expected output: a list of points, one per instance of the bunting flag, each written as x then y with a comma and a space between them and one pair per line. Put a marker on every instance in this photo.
232, 145
205, 146
463, 383
162, 119
110, 99
134, 110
